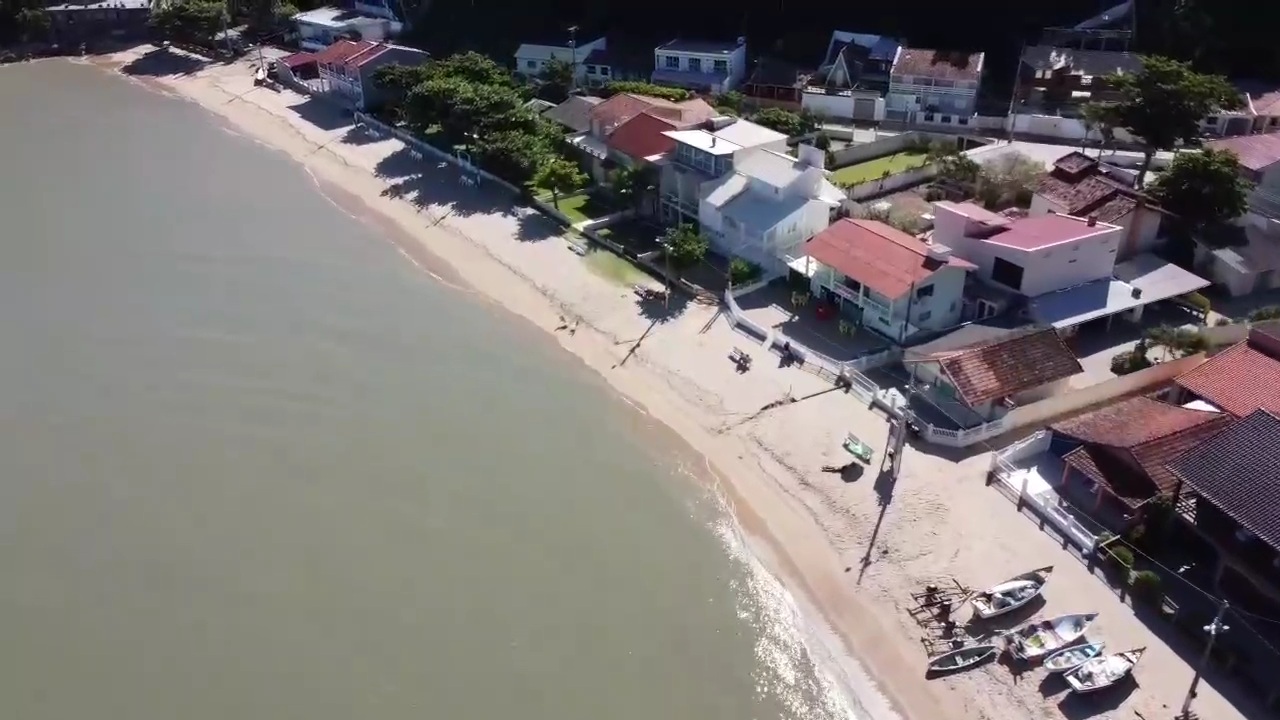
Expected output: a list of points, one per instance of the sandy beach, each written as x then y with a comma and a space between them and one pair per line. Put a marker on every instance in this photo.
851, 551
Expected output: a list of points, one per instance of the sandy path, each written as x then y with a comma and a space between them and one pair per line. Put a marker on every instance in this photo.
854, 550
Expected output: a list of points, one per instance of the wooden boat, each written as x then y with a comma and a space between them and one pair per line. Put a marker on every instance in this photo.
962, 658
1068, 659
1010, 594
1041, 638
1102, 672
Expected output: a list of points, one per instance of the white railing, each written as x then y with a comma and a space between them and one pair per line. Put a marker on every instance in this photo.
963, 437
1046, 502
859, 384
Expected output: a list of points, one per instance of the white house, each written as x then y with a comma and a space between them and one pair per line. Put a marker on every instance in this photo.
711, 67
1080, 186
934, 86
702, 155
769, 205
1259, 157
532, 59
320, 28
1032, 255
884, 279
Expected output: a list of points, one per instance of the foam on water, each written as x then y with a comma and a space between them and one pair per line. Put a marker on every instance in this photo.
800, 659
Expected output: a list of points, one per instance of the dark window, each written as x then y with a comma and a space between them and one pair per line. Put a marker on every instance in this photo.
924, 292
1007, 273
604, 70
720, 66
924, 316
852, 284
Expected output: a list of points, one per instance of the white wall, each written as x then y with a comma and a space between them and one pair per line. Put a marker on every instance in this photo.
1140, 227
1061, 127
835, 106
943, 308
565, 54
1044, 270
737, 61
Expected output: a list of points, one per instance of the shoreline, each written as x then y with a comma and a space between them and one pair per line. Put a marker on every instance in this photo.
813, 540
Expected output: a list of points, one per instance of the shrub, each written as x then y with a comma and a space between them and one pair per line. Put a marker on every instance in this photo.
822, 141
1120, 557
743, 272
1145, 587
636, 87
1130, 361
1197, 301
1271, 312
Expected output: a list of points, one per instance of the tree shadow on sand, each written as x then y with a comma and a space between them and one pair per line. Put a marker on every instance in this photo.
535, 227
659, 309
323, 113
426, 181
163, 62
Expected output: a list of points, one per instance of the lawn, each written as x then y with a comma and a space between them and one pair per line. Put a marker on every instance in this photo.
578, 208
875, 169
634, 235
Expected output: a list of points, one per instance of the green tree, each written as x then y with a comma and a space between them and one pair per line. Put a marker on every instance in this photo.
643, 88
396, 81
472, 68
685, 246
1204, 188
559, 176
786, 122
822, 141
1164, 102
556, 81
731, 102
743, 272
1104, 119
1009, 180
194, 21
632, 184
33, 23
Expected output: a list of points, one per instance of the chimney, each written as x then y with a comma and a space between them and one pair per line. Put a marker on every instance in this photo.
713, 141
1093, 220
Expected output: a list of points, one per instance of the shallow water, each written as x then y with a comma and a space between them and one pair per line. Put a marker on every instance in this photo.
255, 465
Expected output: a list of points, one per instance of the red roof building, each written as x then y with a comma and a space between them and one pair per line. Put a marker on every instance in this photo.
1256, 152
878, 256
1242, 378
1007, 366
641, 137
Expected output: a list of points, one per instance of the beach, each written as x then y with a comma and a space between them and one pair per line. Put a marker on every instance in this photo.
851, 552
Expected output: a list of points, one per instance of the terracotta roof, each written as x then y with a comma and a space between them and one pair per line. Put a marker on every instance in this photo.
1256, 152
297, 60
615, 111
342, 51
1020, 360
1128, 444
881, 257
1266, 103
1241, 378
1238, 472
938, 64
641, 136
1078, 183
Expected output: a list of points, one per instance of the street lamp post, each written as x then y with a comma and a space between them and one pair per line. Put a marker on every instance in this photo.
573, 48
1214, 629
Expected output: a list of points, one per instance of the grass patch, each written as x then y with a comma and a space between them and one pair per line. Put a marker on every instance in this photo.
613, 267
875, 169
633, 235
579, 207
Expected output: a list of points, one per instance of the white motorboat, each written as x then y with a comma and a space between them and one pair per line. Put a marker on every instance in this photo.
1010, 594
1103, 672
1070, 658
1042, 638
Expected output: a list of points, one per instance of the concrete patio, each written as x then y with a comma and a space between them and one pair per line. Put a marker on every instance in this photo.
770, 307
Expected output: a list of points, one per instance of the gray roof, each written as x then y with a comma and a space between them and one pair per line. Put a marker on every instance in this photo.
574, 113
1158, 279
759, 213
1238, 472
700, 47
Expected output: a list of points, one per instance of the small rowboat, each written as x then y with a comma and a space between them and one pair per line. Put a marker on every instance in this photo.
1068, 659
1102, 672
962, 658
1041, 638
1010, 594
857, 448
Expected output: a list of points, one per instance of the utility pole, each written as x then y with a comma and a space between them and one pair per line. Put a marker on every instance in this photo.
1214, 629
1017, 79
573, 48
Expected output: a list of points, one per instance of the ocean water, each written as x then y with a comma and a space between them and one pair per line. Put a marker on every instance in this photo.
255, 465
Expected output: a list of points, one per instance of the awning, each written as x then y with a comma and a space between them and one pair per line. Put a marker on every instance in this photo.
590, 145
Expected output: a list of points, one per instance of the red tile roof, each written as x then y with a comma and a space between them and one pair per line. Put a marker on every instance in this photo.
1240, 379
1079, 185
297, 60
881, 257
1128, 444
342, 51
1008, 364
938, 64
1035, 233
641, 136
612, 113
1256, 152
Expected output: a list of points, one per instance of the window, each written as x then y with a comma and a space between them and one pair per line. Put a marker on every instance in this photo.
924, 316
852, 284
671, 62
924, 292
721, 67
531, 64
695, 65
604, 70
1007, 273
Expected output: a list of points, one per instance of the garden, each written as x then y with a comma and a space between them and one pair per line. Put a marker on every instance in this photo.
907, 159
